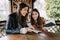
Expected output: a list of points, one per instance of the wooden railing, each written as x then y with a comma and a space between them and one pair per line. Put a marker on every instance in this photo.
57, 22
2, 23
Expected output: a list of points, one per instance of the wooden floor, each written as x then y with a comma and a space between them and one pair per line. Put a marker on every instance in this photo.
41, 36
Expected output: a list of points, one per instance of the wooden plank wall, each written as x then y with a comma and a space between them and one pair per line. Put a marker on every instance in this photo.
14, 7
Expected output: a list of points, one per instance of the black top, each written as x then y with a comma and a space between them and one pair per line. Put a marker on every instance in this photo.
14, 24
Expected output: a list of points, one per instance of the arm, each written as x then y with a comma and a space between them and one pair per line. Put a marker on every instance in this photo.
10, 25
42, 28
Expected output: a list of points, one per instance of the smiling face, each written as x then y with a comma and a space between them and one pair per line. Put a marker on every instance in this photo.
34, 15
24, 11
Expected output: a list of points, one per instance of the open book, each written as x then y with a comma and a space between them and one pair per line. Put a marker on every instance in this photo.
49, 23
35, 31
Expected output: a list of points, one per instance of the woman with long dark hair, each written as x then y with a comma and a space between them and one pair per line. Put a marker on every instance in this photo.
36, 21
17, 21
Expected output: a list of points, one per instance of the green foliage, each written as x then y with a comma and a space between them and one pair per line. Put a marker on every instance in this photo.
53, 8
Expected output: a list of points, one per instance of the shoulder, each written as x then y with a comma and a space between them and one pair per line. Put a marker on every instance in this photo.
12, 15
42, 20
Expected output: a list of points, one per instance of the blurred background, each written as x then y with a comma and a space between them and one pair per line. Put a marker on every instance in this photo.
48, 9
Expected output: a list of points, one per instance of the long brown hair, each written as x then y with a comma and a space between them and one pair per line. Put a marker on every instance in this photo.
38, 19
21, 6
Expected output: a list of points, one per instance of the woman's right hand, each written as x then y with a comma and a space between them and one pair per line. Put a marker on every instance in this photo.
32, 28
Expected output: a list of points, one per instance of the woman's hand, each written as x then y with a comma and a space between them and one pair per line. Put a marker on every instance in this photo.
44, 29
32, 28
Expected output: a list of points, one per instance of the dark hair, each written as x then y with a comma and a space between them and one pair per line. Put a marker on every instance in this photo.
38, 19
33, 1
22, 5
20, 17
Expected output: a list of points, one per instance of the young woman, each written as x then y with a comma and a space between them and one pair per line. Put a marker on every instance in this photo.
17, 21
36, 21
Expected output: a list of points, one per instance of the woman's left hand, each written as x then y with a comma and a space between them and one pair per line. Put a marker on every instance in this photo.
32, 28
44, 28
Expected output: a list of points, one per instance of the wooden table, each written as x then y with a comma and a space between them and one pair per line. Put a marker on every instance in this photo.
41, 36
